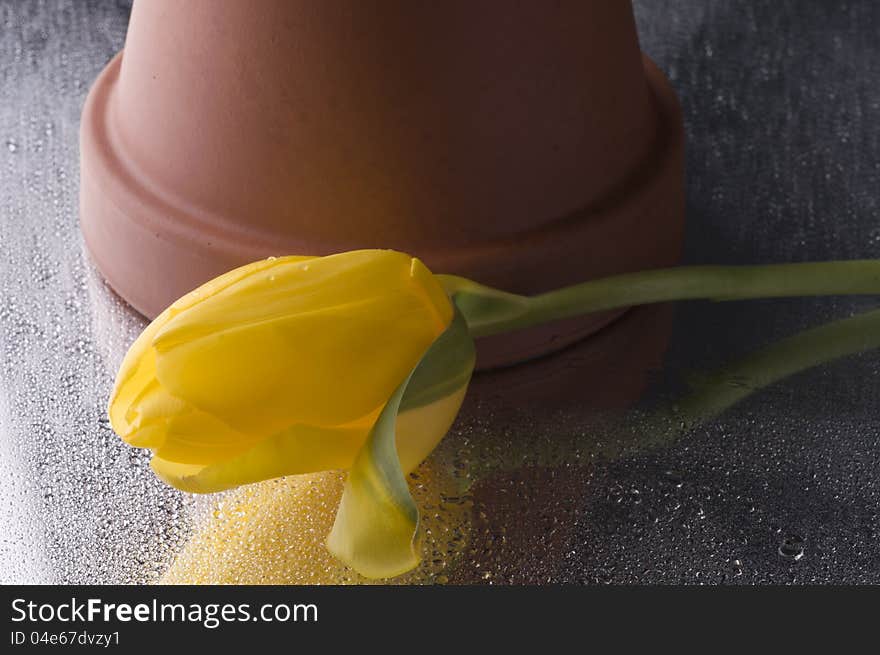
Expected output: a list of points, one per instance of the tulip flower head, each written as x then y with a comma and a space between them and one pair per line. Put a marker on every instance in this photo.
291, 365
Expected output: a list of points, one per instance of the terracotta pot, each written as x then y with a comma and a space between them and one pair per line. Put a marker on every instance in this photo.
526, 145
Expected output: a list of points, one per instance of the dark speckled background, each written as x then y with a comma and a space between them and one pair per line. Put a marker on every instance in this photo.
781, 103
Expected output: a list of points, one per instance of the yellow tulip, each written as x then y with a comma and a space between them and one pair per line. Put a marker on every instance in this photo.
296, 365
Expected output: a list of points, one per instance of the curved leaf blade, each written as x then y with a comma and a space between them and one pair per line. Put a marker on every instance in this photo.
376, 530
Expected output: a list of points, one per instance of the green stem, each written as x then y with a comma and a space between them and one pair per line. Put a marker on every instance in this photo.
490, 311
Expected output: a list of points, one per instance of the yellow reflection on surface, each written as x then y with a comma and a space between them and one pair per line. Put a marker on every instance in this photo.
273, 532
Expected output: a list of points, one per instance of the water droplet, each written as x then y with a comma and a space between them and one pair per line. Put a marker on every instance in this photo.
792, 547
11, 145
675, 478
737, 568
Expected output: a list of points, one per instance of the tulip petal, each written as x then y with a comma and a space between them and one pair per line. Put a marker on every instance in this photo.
376, 530
323, 342
179, 432
300, 449
200, 454
195, 437
138, 369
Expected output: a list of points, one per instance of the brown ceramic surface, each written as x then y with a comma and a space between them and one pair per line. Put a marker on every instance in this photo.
525, 145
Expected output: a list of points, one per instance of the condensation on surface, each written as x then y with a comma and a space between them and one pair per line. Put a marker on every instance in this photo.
783, 151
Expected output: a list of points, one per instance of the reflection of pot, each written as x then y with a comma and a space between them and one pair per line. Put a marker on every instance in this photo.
525, 517
524, 524
525, 145
608, 371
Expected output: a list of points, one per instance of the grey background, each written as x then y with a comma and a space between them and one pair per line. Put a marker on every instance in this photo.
781, 102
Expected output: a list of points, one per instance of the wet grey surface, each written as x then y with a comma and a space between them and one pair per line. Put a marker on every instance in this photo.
781, 106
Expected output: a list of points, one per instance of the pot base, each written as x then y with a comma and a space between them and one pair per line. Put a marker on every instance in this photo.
153, 247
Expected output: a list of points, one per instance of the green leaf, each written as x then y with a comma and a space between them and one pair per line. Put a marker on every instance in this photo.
376, 530
444, 368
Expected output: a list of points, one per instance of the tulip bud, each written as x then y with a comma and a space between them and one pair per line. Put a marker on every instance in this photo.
296, 365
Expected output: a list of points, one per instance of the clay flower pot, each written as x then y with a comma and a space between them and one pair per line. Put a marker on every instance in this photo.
525, 145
